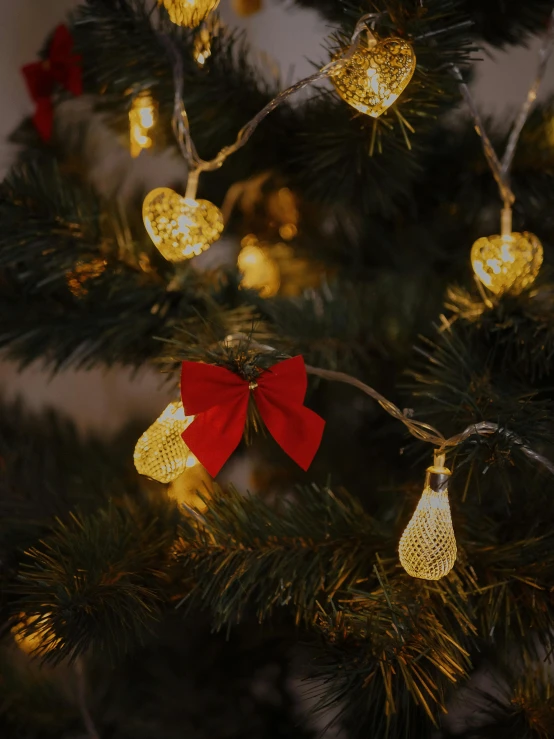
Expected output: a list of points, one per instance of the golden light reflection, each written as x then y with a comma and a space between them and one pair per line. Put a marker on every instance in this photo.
142, 117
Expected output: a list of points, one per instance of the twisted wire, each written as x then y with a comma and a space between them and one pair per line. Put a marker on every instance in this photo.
419, 429
501, 168
180, 120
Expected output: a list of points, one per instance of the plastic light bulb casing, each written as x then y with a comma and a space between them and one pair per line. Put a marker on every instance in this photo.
428, 546
161, 453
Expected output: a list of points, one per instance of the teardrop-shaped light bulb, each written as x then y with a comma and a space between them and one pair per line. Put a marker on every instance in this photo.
161, 453
428, 546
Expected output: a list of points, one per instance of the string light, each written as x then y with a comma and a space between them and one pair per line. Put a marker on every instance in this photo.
427, 547
375, 75
508, 262
189, 13
161, 453
181, 228
142, 117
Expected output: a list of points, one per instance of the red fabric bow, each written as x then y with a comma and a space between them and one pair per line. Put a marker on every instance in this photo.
218, 399
61, 67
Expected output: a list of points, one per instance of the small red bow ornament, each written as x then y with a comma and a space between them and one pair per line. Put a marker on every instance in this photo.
218, 399
61, 67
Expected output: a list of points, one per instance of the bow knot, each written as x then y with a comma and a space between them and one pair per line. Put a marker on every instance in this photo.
218, 399
61, 67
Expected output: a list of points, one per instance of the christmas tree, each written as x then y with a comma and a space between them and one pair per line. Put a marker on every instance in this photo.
368, 338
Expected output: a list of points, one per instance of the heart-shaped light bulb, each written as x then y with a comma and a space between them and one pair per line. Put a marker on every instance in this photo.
373, 78
508, 263
189, 13
181, 228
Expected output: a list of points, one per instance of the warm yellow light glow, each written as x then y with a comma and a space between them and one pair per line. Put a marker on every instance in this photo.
508, 263
372, 79
161, 453
246, 7
193, 488
259, 271
33, 634
142, 117
428, 546
181, 228
82, 273
189, 13
288, 231
202, 49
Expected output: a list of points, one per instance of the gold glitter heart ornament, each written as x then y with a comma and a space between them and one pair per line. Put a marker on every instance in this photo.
181, 228
373, 78
508, 263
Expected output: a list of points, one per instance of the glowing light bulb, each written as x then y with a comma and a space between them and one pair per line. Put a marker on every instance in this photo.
161, 453
181, 228
142, 117
427, 547
259, 271
507, 263
371, 79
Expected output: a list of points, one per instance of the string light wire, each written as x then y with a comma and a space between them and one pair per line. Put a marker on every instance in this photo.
501, 168
180, 120
419, 429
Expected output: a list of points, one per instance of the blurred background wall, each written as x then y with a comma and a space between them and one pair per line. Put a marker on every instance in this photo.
290, 38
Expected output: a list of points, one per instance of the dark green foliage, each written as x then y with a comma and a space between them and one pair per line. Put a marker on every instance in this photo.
122, 553
31, 495
498, 22
299, 555
389, 209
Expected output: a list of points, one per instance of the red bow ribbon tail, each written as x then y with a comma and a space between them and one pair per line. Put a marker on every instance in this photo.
219, 401
280, 400
43, 119
62, 67
65, 65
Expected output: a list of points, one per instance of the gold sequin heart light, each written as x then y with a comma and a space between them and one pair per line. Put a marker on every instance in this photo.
507, 263
181, 228
373, 78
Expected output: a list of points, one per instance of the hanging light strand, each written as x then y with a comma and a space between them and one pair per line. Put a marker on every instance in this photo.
419, 429
180, 120
501, 168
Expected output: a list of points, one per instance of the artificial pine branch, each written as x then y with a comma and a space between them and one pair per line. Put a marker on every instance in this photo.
243, 553
97, 581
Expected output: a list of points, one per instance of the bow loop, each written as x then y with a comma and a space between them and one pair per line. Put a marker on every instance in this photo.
219, 401
61, 67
